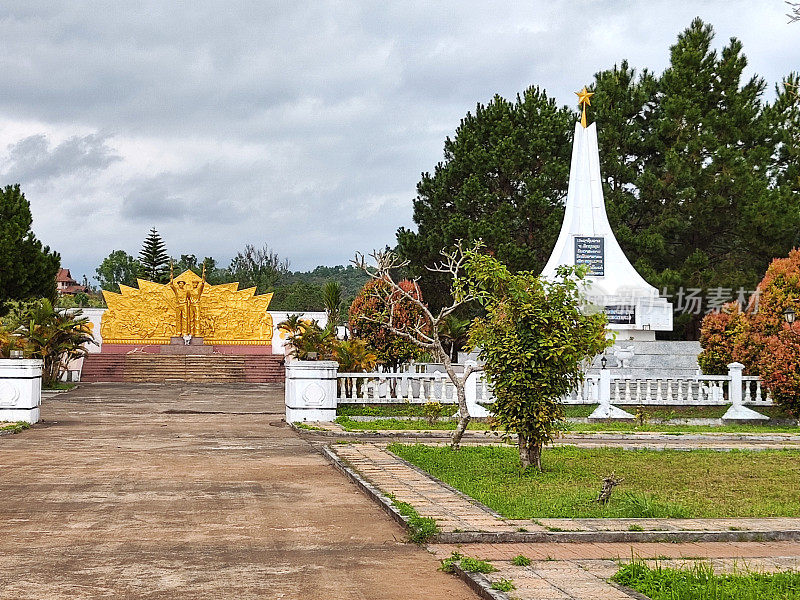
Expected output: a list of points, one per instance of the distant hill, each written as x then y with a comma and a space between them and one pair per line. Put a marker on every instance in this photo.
302, 290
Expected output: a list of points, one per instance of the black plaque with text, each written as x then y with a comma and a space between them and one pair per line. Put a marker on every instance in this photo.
621, 314
591, 251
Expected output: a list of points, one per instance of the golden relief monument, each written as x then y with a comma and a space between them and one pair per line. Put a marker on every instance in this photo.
153, 314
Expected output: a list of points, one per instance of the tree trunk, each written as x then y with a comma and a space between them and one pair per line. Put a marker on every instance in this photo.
463, 411
463, 421
529, 453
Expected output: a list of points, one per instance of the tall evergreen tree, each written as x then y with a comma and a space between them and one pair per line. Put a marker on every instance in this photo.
718, 221
503, 180
27, 269
784, 120
154, 259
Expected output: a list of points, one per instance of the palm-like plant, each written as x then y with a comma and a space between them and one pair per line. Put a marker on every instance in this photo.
455, 332
311, 338
353, 356
55, 336
291, 325
332, 297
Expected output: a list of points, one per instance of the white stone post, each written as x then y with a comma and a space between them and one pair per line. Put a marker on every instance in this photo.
606, 410
471, 393
738, 411
311, 390
20, 389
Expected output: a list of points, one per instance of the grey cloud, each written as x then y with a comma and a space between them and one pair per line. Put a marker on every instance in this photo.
34, 159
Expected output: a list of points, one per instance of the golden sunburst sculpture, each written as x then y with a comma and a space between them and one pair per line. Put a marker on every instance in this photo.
227, 316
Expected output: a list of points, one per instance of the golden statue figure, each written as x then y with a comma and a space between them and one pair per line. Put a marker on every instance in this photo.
181, 305
193, 304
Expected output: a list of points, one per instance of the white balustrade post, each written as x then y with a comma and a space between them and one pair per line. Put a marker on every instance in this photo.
606, 410
471, 392
311, 390
738, 411
20, 389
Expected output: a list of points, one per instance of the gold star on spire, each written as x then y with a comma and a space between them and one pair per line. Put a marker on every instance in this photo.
584, 100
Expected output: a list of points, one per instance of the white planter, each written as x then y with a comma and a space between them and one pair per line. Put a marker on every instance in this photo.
311, 390
20, 389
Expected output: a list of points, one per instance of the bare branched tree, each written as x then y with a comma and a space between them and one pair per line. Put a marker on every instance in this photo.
426, 331
794, 12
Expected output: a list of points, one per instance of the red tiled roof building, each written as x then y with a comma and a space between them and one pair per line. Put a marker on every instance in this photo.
65, 284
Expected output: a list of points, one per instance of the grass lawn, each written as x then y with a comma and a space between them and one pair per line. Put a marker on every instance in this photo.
15, 427
392, 424
700, 583
658, 484
406, 409
382, 410
59, 385
612, 426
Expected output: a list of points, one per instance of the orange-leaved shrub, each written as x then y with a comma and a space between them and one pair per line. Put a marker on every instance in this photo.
759, 336
371, 311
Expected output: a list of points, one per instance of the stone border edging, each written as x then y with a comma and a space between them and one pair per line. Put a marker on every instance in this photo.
467, 537
479, 584
626, 537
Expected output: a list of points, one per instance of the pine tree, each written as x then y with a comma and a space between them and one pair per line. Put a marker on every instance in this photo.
154, 259
718, 221
503, 180
27, 269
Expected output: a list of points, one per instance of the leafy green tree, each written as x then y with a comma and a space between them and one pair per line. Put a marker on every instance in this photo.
27, 269
534, 339
258, 267
503, 180
297, 296
622, 107
153, 258
117, 268
784, 121
214, 274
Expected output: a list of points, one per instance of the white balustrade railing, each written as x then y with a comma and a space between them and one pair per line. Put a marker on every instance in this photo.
391, 387
702, 390
417, 386
414, 384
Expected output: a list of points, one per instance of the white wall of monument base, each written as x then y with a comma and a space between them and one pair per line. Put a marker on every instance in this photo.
20, 390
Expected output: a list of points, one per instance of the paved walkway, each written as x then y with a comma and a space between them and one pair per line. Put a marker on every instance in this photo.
150, 492
581, 571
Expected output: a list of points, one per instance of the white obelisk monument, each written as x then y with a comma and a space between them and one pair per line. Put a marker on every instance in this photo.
633, 307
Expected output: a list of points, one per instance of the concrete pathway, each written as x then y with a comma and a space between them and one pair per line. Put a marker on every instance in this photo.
148, 491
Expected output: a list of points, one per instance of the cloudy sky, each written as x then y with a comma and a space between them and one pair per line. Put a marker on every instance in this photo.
304, 125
